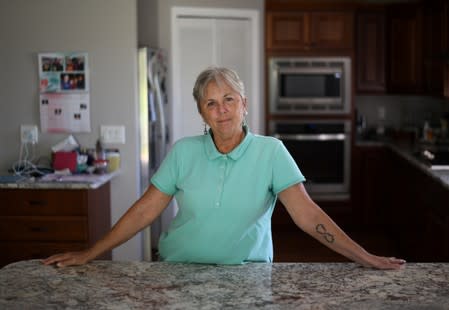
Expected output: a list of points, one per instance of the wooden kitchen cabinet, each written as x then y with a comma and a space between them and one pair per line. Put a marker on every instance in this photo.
400, 200
405, 49
368, 186
434, 47
445, 34
308, 31
418, 216
36, 223
400, 49
370, 51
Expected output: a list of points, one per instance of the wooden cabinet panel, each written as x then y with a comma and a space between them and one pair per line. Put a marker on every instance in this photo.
304, 31
405, 49
42, 202
332, 30
38, 223
371, 52
49, 228
370, 188
287, 31
433, 48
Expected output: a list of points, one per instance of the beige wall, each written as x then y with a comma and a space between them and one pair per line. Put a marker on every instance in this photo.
107, 31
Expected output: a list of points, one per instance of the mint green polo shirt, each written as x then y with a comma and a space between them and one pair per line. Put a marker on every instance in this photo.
225, 200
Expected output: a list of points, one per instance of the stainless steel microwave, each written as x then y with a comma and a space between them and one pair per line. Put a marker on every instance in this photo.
310, 85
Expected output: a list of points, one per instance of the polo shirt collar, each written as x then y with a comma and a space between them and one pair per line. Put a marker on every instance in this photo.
212, 152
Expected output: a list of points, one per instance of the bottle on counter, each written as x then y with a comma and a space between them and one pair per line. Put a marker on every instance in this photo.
427, 132
100, 153
444, 126
100, 162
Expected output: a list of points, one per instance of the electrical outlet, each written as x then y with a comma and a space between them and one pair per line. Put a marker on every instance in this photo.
112, 134
28, 134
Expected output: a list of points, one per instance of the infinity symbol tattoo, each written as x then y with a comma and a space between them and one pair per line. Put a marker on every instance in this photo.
322, 231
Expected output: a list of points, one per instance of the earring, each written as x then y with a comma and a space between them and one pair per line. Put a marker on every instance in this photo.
205, 129
244, 123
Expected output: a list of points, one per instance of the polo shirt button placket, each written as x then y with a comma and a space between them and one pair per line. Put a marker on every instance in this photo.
222, 177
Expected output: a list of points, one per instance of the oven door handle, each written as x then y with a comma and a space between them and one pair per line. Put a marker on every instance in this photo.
312, 137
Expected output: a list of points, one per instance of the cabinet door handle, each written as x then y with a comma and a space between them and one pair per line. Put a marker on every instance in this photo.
39, 229
37, 202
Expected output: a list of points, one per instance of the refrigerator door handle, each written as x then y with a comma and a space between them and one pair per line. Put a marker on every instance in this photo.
160, 110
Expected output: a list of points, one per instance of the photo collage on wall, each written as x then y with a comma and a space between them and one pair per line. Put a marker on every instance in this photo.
64, 92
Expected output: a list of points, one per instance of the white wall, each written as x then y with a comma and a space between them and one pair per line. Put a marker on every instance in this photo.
107, 31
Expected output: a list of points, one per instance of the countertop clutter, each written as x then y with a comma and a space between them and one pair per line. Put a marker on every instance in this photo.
158, 285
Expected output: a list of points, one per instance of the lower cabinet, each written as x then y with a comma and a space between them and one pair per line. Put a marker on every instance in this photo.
404, 201
36, 223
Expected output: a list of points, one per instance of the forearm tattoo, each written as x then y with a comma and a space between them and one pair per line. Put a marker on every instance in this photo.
322, 231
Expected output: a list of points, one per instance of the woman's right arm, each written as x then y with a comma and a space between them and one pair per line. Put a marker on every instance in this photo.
141, 214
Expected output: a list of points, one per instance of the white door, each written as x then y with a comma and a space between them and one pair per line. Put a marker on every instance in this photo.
200, 41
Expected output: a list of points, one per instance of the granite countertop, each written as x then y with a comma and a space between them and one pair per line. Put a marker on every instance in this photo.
159, 285
52, 181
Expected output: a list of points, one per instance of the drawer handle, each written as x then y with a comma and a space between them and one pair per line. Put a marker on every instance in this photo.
39, 229
37, 202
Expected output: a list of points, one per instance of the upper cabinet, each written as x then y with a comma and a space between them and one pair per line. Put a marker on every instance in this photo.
370, 52
445, 34
400, 49
405, 73
309, 31
433, 48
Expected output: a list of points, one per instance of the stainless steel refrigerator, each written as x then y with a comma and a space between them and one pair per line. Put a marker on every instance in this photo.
154, 133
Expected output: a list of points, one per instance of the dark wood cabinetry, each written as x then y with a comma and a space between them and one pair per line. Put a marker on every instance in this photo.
35, 223
370, 52
433, 48
408, 204
306, 31
368, 188
419, 213
404, 26
400, 48
445, 35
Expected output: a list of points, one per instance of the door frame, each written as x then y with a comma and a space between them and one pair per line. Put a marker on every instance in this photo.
256, 105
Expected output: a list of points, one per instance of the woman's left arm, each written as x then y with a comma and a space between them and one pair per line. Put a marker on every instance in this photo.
308, 216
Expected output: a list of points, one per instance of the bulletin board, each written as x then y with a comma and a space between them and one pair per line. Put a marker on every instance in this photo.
64, 101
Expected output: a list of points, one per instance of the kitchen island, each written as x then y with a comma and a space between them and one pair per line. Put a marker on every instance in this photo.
159, 285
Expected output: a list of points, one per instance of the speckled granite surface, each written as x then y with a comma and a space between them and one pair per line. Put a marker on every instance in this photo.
143, 285
77, 181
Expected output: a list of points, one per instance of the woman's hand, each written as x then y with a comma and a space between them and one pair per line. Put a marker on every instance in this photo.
68, 259
381, 262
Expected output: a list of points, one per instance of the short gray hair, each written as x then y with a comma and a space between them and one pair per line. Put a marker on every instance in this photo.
218, 75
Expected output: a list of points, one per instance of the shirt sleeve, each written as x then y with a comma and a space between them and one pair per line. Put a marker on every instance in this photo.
165, 178
285, 170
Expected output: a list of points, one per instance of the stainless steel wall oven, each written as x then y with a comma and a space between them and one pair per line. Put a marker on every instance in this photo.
322, 150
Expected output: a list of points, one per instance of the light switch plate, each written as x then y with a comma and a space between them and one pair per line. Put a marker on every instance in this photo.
28, 134
112, 134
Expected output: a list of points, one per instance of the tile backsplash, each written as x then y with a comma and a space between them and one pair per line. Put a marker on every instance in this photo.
401, 112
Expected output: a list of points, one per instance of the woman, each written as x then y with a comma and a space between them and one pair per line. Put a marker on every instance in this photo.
226, 183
